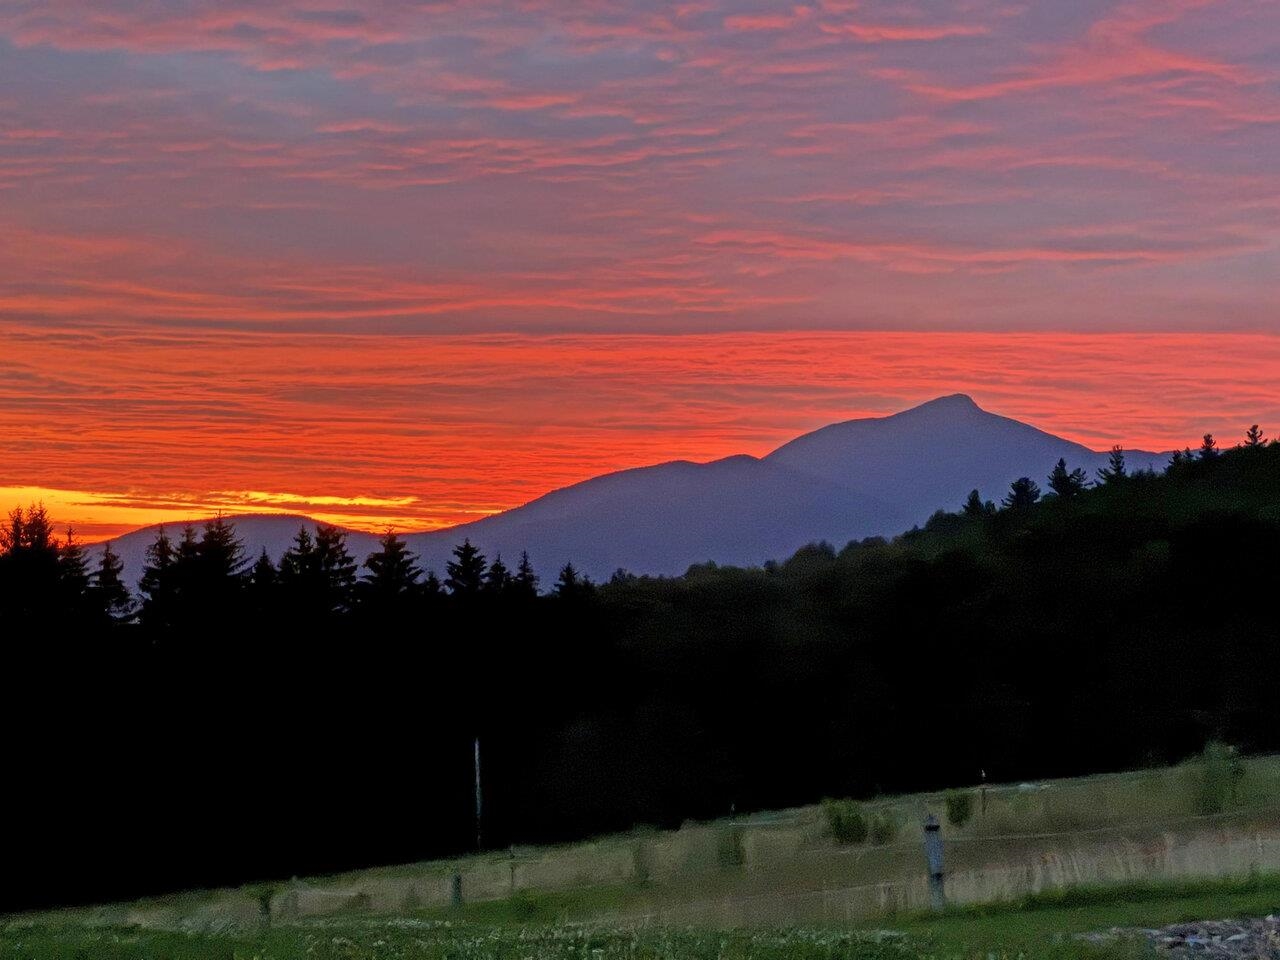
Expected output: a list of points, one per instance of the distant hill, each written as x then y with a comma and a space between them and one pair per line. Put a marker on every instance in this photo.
876, 476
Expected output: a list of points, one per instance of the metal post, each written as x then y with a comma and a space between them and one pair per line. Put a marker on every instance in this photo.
456, 889
933, 855
479, 801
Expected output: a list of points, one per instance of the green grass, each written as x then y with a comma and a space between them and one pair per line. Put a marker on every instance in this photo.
1038, 925
1036, 928
779, 867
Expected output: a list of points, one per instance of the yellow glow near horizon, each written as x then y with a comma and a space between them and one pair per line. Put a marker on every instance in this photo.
96, 516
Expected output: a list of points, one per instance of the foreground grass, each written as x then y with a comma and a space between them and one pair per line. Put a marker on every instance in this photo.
1043, 924
1038, 928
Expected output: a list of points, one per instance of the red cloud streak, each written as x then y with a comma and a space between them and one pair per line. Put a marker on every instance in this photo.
427, 431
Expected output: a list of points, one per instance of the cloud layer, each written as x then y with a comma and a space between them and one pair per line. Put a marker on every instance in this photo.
426, 431
263, 234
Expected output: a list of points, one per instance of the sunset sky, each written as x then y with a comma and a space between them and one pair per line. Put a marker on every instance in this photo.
391, 262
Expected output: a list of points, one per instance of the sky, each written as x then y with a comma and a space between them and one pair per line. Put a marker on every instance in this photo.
410, 263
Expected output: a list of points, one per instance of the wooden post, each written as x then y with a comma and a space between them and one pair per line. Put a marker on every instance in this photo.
933, 856
479, 801
456, 889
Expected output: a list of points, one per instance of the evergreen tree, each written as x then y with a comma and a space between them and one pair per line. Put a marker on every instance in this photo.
1208, 448
186, 566
393, 571
73, 571
31, 571
318, 576
298, 565
497, 580
1115, 470
1023, 493
1067, 484
571, 585
431, 586
263, 575
335, 569
525, 582
262, 586
976, 507
111, 598
466, 570
158, 586
220, 552
1253, 438
12, 534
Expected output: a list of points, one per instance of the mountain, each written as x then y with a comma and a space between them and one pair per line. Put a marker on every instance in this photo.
660, 519
932, 455
860, 478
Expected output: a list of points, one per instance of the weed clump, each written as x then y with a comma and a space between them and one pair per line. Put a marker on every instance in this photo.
959, 807
846, 821
884, 828
729, 850
1217, 778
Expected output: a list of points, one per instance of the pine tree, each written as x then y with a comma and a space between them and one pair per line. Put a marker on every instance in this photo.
525, 582
211, 577
186, 563
318, 576
1115, 470
335, 569
263, 575
111, 598
393, 570
157, 585
431, 586
1208, 448
73, 570
1253, 438
30, 532
571, 585
31, 570
262, 587
1067, 484
465, 571
976, 507
221, 552
497, 580
1023, 493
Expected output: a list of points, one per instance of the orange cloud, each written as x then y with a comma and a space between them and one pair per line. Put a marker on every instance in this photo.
419, 432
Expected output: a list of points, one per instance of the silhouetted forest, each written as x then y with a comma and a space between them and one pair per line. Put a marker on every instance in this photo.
230, 718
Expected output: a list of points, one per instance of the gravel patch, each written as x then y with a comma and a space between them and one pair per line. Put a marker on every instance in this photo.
1257, 939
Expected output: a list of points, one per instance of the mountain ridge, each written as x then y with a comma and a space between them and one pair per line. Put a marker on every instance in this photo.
871, 476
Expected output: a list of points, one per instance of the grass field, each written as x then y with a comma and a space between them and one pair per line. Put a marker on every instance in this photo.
1038, 927
785, 867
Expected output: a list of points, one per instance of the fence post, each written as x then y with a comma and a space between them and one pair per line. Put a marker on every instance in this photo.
456, 888
933, 855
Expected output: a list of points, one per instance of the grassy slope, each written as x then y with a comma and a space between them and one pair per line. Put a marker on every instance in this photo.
789, 858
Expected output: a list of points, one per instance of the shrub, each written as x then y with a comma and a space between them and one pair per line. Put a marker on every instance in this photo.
263, 893
1217, 780
884, 828
845, 820
959, 807
729, 850
641, 863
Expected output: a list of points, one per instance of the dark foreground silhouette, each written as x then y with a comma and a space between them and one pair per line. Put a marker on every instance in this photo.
245, 720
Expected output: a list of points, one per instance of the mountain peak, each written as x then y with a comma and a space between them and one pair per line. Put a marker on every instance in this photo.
952, 401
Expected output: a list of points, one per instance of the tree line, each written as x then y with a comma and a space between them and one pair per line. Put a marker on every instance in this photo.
247, 720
